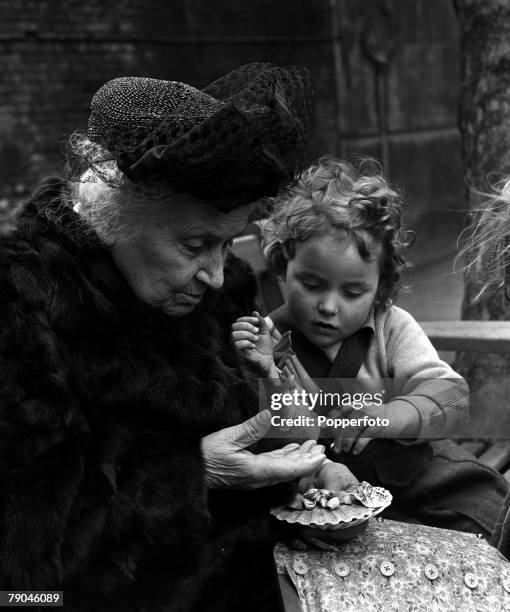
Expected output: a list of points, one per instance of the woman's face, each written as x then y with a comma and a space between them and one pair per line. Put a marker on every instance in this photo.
330, 288
180, 254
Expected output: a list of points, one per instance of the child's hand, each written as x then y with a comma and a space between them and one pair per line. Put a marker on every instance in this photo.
350, 445
330, 475
397, 419
335, 477
253, 341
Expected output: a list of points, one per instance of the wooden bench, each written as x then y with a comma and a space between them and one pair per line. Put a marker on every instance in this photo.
470, 336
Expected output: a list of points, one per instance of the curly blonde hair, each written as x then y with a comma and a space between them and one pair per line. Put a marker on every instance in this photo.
485, 250
353, 202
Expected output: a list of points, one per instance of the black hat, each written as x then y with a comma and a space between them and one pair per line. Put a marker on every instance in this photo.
238, 139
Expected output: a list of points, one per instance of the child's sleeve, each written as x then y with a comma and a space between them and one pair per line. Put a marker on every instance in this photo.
422, 379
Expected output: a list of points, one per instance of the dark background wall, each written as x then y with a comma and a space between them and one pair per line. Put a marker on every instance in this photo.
384, 74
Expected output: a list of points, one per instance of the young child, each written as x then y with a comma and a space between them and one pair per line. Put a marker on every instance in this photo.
335, 239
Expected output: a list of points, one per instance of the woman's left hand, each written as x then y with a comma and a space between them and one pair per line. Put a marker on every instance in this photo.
228, 464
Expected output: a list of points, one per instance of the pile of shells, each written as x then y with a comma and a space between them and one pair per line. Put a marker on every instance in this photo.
319, 497
334, 510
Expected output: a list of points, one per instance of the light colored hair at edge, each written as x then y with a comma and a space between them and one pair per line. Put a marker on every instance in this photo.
484, 255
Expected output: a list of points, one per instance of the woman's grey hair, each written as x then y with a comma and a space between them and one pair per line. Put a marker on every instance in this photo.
114, 207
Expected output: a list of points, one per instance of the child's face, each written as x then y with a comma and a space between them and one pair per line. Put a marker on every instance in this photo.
331, 289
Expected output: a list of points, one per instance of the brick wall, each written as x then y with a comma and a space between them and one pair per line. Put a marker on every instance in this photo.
54, 54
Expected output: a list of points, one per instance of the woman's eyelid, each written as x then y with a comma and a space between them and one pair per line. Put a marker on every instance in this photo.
205, 240
197, 246
194, 243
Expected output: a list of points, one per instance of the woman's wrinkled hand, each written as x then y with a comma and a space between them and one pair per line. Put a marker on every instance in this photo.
229, 465
252, 340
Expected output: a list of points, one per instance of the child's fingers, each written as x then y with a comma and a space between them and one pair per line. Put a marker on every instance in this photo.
360, 445
253, 320
244, 344
245, 326
344, 445
263, 326
244, 335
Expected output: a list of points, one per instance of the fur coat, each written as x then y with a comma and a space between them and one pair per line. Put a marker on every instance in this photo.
103, 403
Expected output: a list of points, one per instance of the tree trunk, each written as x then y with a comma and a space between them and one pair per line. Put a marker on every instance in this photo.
484, 121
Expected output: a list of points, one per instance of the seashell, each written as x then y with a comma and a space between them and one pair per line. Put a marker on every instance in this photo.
325, 493
325, 518
312, 494
344, 497
372, 497
308, 504
333, 503
296, 503
323, 501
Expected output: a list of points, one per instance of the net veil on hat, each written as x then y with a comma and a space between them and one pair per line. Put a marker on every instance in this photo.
240, 138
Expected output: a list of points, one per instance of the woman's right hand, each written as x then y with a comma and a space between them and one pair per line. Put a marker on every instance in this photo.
228, 465
253, 341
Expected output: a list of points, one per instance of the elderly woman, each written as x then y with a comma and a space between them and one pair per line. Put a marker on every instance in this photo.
126, 417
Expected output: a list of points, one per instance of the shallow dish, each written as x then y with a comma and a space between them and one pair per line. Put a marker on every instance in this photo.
346, 515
